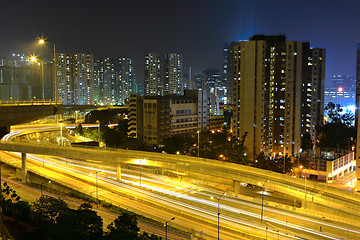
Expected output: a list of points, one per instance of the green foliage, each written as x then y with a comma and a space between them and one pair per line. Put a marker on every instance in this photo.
79, 129
223, 146
80, 195
47, 208
338, 131
146, 236
306, 143
272, 164
179, 143
124, 227
8, 198
83, 223
50, 218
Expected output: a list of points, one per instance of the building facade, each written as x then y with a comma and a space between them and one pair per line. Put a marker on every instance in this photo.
155, 118
127, 79
74, 76
278, 93
163, 74
23, 79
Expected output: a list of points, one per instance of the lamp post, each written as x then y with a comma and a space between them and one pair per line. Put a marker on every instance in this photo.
42, 42
76, 116
166, 223
305, 191
198, 132
97, 192
61, 134
41, 187
140, 174
35, 60
218, 199
262, 200
97, 121
284, 169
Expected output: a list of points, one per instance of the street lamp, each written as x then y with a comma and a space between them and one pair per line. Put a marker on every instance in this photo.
140, 173
76, 113
166, 223
198, 132
218, 199
97, 192
42, 42
262, 200
98, 122
305, 190
61, 134
34, 59
41, 187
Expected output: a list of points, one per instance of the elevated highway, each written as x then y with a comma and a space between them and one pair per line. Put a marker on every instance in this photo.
17, 112
316, 197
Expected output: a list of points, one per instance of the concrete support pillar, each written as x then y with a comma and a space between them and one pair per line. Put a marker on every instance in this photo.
237, 187
118, 172
23, 167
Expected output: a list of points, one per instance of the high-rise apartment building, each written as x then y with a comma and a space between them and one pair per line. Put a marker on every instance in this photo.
163, 74
174, 74
187, 75
105, 76
126, 77
64, 78
213, 83
278, 93
114, 80
21, 78
227, 79
74, 75
153, 75
357, 112
83, 74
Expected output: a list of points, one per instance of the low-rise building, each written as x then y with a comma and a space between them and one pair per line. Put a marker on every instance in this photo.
155, 118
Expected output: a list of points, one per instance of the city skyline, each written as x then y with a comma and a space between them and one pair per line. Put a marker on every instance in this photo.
197, 30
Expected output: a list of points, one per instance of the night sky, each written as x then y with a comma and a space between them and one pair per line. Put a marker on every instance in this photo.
197, 29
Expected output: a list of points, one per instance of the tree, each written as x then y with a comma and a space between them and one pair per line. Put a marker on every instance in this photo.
146, 236
337, 131
306, 143
237, 152
47, 208
272, 164
123, 228
83, 223
79, 129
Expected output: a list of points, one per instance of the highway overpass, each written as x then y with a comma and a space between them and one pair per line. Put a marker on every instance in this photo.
17, 112
319, 196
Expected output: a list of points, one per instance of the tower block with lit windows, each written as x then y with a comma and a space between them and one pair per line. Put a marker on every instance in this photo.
357, 114
278, 93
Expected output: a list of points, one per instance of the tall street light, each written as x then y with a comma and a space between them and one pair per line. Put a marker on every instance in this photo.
98, 122
41, 187
305, 191
42, 42
218, 199
198, 132
61, 134
34, 59
96, 184
262, 200
140, 173
166, 224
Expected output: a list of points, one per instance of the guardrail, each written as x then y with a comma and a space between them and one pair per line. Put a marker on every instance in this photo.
29, 102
